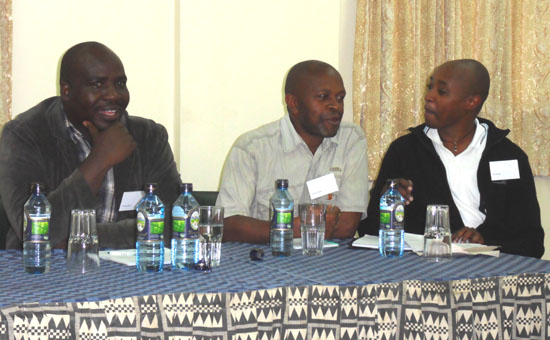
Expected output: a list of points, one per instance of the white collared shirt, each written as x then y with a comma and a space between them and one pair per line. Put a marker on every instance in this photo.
462, 173
276, 151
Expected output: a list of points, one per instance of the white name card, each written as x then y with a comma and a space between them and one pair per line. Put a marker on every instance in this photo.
130, 199
321, 186
503, 170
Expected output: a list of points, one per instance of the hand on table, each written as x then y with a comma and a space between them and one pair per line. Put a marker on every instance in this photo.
331, 221
468, 235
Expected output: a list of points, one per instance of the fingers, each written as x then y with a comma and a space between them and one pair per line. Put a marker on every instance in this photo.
91, 128
296, 223
331, 220
457, 235
405, 189
468, 235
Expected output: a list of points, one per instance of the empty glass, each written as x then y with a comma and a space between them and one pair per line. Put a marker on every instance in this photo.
210, 226
437, 235
83, 246
312, 223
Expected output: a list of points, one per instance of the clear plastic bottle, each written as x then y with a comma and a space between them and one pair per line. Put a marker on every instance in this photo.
150, 231
185, 234
36, 224
391, 239
281, 214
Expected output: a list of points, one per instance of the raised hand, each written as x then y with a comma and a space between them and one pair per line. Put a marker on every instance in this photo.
112, 145
109, 147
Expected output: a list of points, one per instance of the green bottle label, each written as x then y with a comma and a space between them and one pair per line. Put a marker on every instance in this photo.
149, 229
178, 225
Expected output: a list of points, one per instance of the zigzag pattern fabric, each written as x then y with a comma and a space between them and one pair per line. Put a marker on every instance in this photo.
507, 307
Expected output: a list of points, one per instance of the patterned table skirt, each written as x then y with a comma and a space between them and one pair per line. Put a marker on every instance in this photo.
509, 307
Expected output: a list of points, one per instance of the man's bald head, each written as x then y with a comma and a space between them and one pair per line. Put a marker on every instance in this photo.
80, 54
473, 75
303, 71
92, 85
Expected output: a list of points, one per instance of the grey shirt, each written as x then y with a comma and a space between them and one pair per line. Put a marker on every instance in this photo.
275, 150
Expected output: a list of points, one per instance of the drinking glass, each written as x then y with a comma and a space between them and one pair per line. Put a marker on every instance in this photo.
83, 245
210, 227
312, 222
437, 235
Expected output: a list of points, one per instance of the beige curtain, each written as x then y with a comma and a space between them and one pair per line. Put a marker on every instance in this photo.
5, 61
398, 43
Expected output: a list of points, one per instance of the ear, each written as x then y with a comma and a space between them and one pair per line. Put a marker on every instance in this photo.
64, 89
472, 102
291, 104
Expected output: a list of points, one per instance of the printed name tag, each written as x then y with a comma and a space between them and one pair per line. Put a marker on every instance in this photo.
321, 186
503, 170
130, 199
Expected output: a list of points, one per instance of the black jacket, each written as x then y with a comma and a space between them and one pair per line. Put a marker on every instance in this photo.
511, 207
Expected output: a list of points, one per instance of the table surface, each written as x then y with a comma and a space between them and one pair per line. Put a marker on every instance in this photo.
341, 266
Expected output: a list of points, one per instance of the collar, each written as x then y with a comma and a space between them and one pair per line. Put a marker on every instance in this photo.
73, 132
494, 134
291, 139
479, 135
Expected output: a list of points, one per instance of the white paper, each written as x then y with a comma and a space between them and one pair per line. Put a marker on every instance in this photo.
128, 256
297, 244
415, 243
371, 242
504, 170
130, 199
321, 186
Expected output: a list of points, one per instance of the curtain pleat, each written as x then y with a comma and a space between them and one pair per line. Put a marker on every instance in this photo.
398, 44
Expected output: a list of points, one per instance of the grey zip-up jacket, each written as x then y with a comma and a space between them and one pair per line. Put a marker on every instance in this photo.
36, 147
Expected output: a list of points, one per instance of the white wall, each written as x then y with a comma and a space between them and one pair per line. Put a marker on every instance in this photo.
141, 32
234, 57
207, 70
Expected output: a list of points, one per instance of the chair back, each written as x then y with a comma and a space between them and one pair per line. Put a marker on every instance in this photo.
4, 225
206, 197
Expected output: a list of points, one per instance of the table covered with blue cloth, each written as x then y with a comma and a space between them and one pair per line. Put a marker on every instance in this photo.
344, 294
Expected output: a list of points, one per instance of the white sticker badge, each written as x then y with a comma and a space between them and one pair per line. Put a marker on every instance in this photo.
130, 199
503, 170
321, 186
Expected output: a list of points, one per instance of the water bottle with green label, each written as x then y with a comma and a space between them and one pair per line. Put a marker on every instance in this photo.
281, 213
36, 230
185, 234
150, 231
391, 239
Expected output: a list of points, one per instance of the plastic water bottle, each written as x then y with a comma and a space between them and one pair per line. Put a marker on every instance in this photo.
281, 213
150, 231
185, 236
392, 220
36, 224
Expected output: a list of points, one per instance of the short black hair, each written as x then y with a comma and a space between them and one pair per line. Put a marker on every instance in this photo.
298, 71
73, 54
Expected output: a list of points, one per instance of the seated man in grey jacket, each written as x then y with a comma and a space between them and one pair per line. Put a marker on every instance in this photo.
87, 151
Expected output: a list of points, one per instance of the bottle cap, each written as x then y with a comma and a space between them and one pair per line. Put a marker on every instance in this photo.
256, 254
282, 183
392, 183
150, 187
37, 188
186, 187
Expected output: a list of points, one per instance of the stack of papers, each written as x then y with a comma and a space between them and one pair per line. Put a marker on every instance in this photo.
328, 244
415, 243
128, 256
